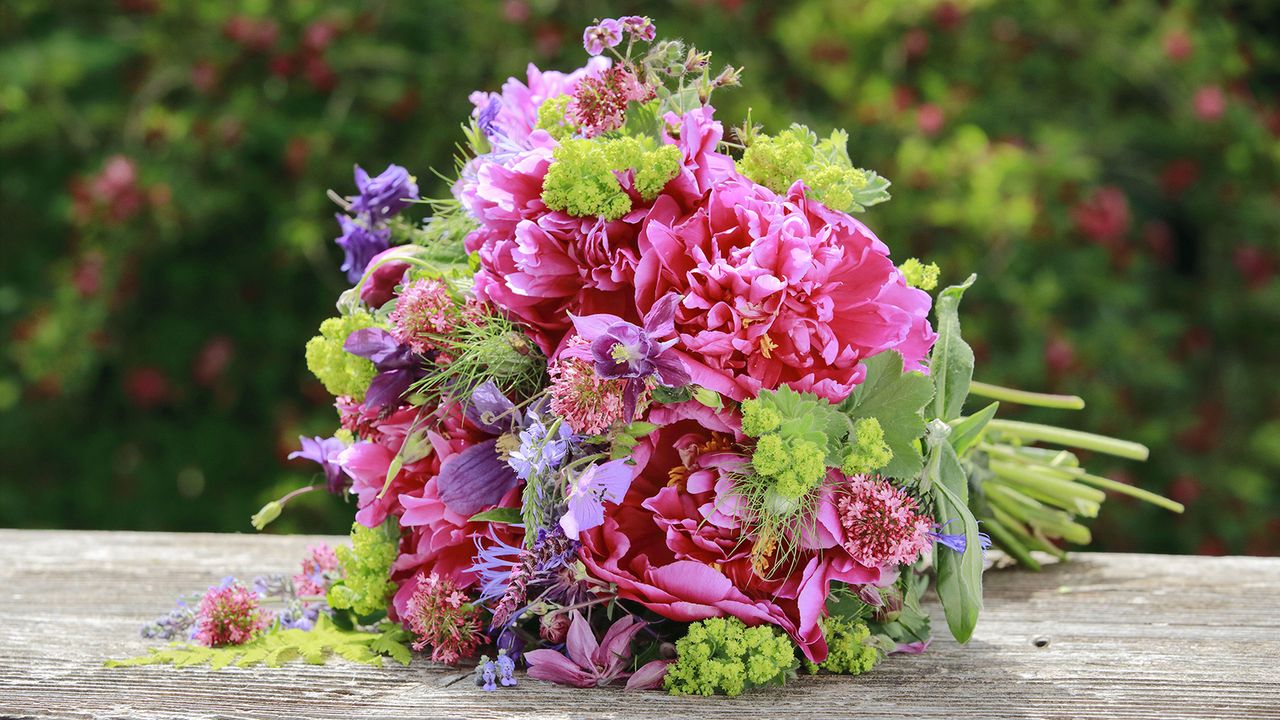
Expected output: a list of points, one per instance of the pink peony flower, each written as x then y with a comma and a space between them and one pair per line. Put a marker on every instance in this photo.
778, 290
682, 560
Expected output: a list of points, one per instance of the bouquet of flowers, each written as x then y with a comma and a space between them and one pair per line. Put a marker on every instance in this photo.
643, 402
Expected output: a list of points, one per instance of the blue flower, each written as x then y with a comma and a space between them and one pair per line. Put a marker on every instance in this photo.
956, 541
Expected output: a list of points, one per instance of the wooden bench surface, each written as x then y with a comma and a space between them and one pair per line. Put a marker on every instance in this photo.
1104, 636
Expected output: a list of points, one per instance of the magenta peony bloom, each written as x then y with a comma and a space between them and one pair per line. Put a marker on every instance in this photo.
778, 290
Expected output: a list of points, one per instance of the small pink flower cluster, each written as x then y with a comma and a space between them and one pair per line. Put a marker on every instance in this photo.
882, 524
443, 618
318, 567
229, 614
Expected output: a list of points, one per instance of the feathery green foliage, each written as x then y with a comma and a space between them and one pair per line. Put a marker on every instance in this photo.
278, 646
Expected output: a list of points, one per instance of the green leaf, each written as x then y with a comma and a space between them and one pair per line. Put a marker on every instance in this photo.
959, 575
894, 398
951, 363
968, 431
506, 516
874, 192
669, 396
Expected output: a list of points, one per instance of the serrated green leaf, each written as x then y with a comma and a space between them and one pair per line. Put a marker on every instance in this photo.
507, 516
951, 362
874, 192
967, 432
959, 574
894, 398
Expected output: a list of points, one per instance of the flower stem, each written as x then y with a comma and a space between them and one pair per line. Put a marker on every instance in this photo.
1072, 438
1024, 397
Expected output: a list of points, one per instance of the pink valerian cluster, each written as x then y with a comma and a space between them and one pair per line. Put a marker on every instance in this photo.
423, 312
882, 524
599, 103
589, 404
442, 617
229, 614
318, 570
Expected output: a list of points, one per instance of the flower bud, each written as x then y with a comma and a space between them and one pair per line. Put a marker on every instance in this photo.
266, 515
554, 627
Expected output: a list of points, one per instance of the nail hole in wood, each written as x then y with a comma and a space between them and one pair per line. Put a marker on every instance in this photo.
1041, 642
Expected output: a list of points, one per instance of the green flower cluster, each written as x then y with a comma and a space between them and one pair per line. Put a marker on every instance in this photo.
723, 655
341, 372
552, 117
868, 450
366, 567
793, 466
777, 161
848, 650
581, 179
919, 275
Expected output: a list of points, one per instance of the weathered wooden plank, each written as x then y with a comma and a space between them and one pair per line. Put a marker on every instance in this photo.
1106, 636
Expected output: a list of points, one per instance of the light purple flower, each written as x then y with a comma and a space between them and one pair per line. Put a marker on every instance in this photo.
325, 452
359, 245
591, 489
385, 195
640, 28
623, 350
540, 454
589, 663
598, 37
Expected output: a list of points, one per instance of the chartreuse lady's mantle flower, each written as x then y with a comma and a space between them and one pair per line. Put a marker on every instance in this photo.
868, 450
848, 649
723, 655
919, 275
581, 180
339, 371
794, 465
778, 161
366, 567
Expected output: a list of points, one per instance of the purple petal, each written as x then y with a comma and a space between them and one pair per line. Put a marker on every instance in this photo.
615, 648
373, 344
592, 326
490, 410
912, 648
660, 320
553, 667
649, 676
614, 479
388, 387
474, 479
581, 642
870, 595
672, 371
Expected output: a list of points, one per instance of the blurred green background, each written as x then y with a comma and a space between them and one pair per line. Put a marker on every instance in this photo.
1112, 169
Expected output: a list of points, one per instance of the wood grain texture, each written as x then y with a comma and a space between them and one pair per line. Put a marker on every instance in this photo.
1105, 636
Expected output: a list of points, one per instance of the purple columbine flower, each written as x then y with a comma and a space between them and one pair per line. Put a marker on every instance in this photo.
359, 244
590, 490
623, 350
398, 368
385, 195
598, 37
640, 28
325, 452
